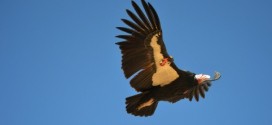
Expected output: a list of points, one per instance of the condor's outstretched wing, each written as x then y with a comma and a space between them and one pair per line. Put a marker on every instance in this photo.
196, 91
143, 50
201, 88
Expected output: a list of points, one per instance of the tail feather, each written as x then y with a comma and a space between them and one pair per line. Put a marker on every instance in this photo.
141, 104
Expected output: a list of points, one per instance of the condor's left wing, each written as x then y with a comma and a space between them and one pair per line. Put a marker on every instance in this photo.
143, 50
196, 91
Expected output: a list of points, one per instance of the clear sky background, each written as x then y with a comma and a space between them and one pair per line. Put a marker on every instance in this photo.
59, 64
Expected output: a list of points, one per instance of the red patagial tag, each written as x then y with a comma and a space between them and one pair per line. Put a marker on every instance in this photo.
164, 61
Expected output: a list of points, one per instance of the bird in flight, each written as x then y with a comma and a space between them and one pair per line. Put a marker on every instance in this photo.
155, 75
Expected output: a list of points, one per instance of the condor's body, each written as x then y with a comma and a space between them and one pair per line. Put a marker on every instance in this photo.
158, 78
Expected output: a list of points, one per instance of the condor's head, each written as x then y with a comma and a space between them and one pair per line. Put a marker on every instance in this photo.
200, 78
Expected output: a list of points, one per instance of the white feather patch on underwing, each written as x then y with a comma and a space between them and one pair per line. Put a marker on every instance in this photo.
164, 74
148, 103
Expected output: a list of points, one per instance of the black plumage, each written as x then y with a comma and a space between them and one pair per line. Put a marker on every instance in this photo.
157, 77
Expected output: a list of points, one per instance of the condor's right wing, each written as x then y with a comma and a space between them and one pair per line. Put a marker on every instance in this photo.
143, 50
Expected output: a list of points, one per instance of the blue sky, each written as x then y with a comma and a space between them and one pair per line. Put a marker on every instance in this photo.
59, 64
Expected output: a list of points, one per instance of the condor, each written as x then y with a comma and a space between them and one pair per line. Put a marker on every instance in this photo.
157, 77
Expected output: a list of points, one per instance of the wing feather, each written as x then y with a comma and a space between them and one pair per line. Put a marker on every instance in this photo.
144, 48
197, 90
142, 16
134, 26
127, 30
202, 92
156, 17
196, 94
149, 14
143, 79
128, 38
137, 20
